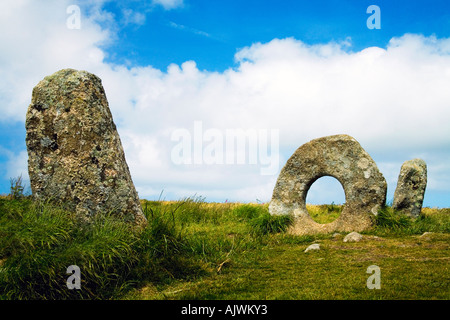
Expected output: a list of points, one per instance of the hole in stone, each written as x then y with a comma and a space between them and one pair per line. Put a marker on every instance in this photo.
325, 200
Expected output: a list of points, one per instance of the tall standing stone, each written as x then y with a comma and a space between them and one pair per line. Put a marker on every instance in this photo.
410, 191
75, 155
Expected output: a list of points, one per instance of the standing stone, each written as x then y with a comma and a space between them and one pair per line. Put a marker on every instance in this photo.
412, 181
343, 158
75, 155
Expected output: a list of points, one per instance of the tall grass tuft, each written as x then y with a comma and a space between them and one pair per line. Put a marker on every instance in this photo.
391, 221
267, 223
38, 242
390, 218
248, 211
261, 221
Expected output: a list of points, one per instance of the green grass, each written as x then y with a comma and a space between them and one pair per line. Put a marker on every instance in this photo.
324, 213
192, 249
390, 221
39, 241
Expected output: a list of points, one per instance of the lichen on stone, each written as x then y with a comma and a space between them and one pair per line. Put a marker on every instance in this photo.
338, 156
75, 155
411, 185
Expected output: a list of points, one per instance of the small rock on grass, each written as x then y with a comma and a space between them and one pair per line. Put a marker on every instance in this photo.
353, 237
314, 246
426, 234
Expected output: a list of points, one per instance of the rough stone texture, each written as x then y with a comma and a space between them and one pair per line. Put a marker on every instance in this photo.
341, 157
353, 237
412, 181
75, 154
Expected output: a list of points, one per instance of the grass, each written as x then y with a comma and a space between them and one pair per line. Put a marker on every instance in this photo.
192, 249
39, 241
324, 213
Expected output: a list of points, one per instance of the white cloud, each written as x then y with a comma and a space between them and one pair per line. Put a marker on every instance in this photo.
36, 42
393, 100
133, 17
169, 4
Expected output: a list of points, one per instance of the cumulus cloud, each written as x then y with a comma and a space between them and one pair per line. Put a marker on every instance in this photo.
37, 42
393, 100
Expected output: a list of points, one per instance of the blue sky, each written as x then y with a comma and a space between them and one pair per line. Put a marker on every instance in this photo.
210, 32
302, 68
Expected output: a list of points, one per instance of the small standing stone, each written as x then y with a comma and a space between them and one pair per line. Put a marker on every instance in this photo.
75, 155
412, 181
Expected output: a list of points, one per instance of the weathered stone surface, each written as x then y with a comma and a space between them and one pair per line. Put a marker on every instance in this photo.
75, 154
353, 237
341, 157
412, 181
